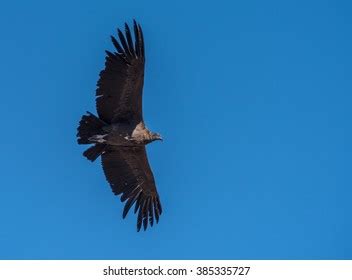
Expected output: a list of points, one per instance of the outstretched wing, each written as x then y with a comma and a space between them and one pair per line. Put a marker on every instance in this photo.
119, 92
128, 172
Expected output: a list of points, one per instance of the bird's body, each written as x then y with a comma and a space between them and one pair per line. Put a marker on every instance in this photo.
124, 134
118, 134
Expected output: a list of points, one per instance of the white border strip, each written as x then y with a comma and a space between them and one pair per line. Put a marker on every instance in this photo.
112, 269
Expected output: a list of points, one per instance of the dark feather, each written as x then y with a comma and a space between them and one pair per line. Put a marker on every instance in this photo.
141, 40
94, 152
110, 55
137, 205
156, 211
117, 45
119, 92
129, 204
150, 209
140, 216
136, 36
130, 192
145, 214
159, 205
124, 43
89, 126
129, 39
128, 172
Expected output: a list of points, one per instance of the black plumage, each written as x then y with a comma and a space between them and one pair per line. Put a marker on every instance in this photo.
118, 134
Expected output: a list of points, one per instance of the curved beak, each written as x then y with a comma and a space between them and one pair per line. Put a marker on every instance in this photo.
158, 137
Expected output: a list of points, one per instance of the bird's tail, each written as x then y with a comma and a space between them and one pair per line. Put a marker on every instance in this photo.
90, 127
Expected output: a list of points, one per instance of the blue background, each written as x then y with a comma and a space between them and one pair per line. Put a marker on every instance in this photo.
253, 99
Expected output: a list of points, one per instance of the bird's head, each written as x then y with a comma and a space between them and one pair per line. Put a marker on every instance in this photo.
156, 136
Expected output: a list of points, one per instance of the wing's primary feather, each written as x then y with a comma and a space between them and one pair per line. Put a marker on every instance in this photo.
128, 172
117, 45
124, 43
141, 40
129, 39
120, 86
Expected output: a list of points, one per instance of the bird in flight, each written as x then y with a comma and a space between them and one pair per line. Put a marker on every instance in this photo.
118, 134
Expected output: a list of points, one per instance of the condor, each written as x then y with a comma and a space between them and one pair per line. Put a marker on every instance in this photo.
118, 134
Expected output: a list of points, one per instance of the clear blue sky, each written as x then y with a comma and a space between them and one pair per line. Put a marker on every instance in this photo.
253, 99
